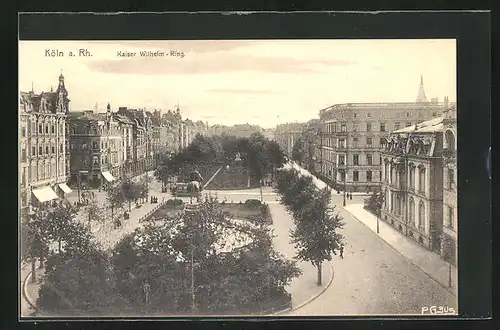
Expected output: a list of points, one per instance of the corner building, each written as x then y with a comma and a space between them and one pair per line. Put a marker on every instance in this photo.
412, 182
352, 135
43, 154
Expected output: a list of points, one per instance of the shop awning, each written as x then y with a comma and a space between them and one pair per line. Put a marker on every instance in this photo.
44, 194
108, 176
65, 188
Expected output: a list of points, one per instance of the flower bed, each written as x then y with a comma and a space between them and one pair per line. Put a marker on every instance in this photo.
171, 208
252, 210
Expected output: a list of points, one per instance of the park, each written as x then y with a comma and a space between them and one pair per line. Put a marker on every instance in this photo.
233, 245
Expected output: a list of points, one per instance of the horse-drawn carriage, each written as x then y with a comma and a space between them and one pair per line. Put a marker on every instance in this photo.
181, 189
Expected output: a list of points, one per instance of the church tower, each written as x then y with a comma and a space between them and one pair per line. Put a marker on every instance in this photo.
421, 93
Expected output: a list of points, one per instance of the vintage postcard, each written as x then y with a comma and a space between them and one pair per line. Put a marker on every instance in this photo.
238, 178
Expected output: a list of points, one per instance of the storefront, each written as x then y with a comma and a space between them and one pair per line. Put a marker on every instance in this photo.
64, 190
43, 196
108, 178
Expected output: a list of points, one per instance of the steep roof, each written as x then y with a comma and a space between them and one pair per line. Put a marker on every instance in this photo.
86, 115
429, 126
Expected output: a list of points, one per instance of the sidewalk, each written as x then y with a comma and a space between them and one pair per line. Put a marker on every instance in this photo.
319, 183
429, 262
105, 234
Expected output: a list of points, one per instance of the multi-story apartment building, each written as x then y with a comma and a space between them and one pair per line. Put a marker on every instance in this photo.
310, 138
412, 182
286, 135
450, 210
352, 135
139, 138
43, 138
126, 127
97, 148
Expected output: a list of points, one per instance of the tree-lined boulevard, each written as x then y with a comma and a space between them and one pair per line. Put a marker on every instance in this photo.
171, 266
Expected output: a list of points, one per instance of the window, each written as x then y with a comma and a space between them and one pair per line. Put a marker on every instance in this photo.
369, 142
355, 142
96, 160
412, 177
369, 114
355, 159
341, 159
341, 143
40, 150
102, 160
53, 129
40, 128
355, 127
421, 215
382, 127
407, 114
450, 217
411, 212
355, 115
434, 114
397, 126
95, 145
369, 160
61, 148
408, 124
421, 180
355, 176
53, 149
382, 142
47, 150
380, 174
368, 176
343, 128
23, 176
33, 151
368, 127
342, 175
23, 131
451, 178
23, 155
46, 129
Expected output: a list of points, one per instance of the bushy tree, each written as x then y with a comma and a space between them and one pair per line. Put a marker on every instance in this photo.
375, 202
131, 192
57, 222
315, 235
93, 211
115, 198
82, 284
34, 243
299, 151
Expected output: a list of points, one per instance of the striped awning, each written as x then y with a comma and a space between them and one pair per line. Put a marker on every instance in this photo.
108, 176
65, 188
44, 194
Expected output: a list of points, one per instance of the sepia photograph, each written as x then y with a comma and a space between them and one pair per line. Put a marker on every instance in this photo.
212, 178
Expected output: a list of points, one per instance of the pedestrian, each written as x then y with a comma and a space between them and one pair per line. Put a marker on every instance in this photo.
350, 196
341, 251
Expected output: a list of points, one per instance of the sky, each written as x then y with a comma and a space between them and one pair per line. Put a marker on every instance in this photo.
260, 82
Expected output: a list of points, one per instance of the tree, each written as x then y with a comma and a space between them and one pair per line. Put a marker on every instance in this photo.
34, 245
57, 221
82, 284
115, 198
375, 202
93, 211
131, 192
315, 235
276, 155
298, 151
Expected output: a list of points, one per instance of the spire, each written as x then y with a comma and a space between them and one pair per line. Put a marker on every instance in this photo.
32, 88
421, 93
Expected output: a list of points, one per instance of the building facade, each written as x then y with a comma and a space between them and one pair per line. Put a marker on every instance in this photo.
450, 209
97, 148
352, 135
43, 153
286, 135
412, 182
